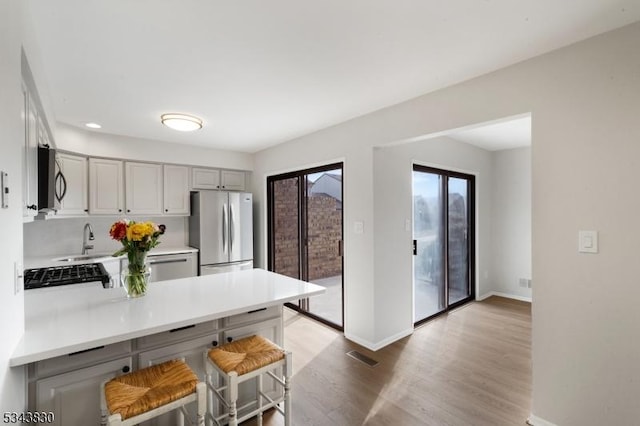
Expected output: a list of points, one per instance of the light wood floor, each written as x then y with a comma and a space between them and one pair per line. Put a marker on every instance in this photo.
469, 367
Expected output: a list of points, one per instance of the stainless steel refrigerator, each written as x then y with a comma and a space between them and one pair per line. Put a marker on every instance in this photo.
221, 227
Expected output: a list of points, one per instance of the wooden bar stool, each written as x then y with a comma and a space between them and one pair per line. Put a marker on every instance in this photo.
239, 361
150, 392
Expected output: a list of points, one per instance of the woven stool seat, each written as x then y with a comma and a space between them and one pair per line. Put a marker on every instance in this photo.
149, 388
239, 362
246, 355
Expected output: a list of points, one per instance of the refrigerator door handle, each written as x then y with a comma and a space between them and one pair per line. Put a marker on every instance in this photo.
231, 228
224, 228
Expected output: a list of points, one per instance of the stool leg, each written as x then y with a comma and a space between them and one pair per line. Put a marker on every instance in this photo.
201, 392
233, 398
103, 406
258, 391
287, 388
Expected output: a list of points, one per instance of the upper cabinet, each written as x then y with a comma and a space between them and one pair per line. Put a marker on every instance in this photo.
106, 186
227, 180
176, 190
143, 188
232, 180
71, 184
30, 158
205, 178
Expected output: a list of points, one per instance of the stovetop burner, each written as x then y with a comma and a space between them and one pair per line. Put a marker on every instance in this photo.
63, 275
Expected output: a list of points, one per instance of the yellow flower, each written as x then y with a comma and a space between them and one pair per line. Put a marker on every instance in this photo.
138, 231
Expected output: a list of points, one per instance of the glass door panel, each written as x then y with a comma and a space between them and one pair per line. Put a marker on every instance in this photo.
305, 236
442, 239
324, 242
458, 244
286, 218
428, 231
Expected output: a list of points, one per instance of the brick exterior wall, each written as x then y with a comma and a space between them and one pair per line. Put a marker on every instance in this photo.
324, 228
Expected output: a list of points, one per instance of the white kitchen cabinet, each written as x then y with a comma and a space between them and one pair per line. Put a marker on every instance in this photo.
30, 159
143, 188
205, 178
232, 180
74, 397
176, 190
106, 186
72, 185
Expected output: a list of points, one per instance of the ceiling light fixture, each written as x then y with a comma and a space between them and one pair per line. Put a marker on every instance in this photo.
93, 125
181, 122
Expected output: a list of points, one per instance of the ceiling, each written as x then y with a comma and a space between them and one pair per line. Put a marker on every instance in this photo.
263, 72
508, 134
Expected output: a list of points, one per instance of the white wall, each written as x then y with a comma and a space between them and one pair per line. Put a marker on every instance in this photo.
511, 222
585, 104
99, 144
12, 380
57, 237
393, 207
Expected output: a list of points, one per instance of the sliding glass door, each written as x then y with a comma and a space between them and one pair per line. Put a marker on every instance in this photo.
305, 236
443, 218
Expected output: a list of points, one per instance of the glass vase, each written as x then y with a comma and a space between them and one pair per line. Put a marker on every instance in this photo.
135, 278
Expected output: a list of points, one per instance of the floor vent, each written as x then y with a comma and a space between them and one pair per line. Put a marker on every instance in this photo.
362, 358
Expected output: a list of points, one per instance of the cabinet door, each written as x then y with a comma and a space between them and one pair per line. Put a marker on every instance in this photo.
71, 185
192, 352
176, 190
143, 188
232, 180
205, 178
106, 188
30, 169
74, 397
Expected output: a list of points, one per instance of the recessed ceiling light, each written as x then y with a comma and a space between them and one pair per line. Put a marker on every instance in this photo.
93, 125
181, 122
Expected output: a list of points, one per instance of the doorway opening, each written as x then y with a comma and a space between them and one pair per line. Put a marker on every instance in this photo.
443, 241
305, 236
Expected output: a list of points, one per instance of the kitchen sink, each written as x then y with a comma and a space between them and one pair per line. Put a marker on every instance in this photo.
81, 257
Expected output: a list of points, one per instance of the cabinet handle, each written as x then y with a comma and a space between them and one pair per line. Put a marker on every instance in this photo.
126, 369
32, 207
86, 210
159, 262
128, 211
229, 339
120, 210
214, 343
166, 210
86, 350
182, 328
257, 310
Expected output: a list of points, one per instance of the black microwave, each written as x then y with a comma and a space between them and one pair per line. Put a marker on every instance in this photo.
48, 199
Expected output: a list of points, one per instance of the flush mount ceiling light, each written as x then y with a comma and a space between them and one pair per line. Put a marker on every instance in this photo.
93, 125
181, 122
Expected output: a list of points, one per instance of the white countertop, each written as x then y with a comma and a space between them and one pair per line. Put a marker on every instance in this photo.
98, 257
66, 319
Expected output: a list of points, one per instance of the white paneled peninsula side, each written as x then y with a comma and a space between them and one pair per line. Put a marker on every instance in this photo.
77, 336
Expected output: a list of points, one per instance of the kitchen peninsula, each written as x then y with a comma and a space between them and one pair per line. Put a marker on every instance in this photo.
77, 336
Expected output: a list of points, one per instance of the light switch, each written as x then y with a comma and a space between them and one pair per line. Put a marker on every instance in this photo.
588, 241
358, 227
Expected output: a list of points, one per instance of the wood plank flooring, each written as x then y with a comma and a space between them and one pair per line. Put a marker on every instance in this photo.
471, 366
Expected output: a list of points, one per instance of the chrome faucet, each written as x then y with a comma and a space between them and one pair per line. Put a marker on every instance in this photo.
86, 246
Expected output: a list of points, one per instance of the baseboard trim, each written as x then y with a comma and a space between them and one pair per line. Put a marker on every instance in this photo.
507, 295
537, 421
381, 344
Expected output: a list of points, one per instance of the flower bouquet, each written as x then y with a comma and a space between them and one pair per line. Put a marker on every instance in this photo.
137, 239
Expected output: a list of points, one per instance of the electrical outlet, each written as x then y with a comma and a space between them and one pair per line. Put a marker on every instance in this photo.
18, 277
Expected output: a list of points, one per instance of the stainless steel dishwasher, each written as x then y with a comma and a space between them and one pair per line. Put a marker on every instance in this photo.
170, 266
